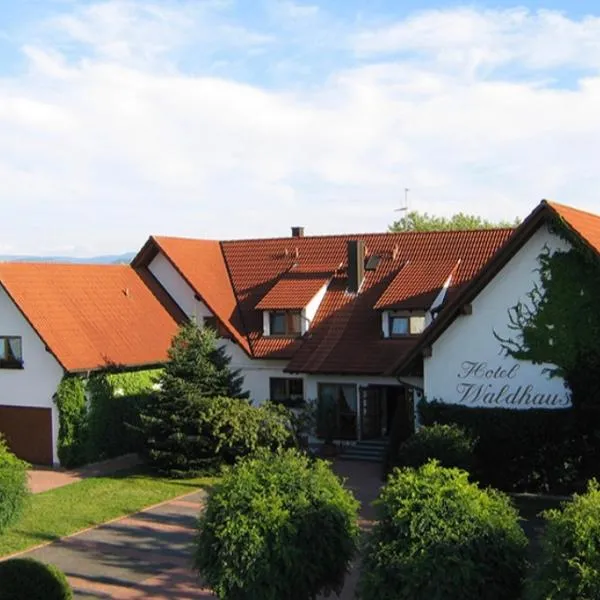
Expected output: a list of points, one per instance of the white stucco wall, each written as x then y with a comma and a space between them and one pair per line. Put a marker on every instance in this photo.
35, 384
312, 307
257, 373
178, 288
467, 366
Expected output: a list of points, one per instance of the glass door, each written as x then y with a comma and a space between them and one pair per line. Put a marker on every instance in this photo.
370, 412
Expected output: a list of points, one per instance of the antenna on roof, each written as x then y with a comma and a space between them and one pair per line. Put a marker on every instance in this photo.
405, 207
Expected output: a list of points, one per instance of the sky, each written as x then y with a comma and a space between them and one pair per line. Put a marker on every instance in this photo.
241, 118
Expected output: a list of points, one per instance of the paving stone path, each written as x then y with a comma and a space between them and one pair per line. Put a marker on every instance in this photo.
149, 555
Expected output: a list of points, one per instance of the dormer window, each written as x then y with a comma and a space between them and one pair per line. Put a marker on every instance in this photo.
401, 324
285, 322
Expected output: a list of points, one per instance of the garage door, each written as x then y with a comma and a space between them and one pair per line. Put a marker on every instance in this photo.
28, 432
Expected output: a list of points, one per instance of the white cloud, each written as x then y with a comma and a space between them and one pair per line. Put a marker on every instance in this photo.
99, 151
539, 40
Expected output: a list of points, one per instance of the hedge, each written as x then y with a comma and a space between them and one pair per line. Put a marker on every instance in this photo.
99, 417
517, 450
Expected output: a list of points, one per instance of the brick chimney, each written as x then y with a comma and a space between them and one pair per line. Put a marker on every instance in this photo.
297, 232
356, 264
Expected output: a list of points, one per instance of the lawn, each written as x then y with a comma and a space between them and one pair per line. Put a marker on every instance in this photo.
56, 513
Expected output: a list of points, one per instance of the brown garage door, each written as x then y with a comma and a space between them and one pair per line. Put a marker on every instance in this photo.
28, 432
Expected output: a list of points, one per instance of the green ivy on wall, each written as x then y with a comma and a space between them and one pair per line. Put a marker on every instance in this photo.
72, 414
99, 415
559, 322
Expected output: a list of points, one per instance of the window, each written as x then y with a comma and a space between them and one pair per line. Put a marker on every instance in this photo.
406, 324
417, 324
399, 325
216, 326
287, 391
337, 410
11, 352
285, 323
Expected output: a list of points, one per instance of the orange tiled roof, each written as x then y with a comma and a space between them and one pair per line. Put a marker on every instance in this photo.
93, 316
202, 265
417, 284
586, 224
293, 290
234, 277
583, 224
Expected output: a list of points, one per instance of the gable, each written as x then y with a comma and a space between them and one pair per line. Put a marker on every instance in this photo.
467, 366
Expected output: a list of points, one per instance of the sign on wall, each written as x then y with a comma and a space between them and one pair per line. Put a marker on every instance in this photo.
501, 385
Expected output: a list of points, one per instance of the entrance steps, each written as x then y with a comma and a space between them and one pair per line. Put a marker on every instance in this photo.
366, 450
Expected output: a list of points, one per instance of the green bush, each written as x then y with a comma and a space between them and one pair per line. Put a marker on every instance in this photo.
13, 486
211, 432
451, 445
277, 526
22, 578
569, 563
441, 537
517, 450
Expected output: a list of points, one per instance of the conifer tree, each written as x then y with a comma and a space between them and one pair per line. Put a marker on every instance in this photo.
171, 420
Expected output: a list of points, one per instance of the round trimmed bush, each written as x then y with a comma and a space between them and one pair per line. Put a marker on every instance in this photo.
278, 526
450, 445
569, 564
440, 536
13, 486
27, 578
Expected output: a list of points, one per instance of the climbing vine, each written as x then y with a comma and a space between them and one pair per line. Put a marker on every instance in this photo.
98, 415
558, 325
72, 414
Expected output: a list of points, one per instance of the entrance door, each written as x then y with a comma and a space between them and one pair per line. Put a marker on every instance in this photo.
370, 412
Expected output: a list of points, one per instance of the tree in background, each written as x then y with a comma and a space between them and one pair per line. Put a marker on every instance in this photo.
171, 420
418, 221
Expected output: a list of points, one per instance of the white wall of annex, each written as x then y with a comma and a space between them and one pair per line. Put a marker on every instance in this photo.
467, 365
35, 384
178, 288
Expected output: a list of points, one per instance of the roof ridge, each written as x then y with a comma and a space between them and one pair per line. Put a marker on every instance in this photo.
553, 204
335, 235
52, 263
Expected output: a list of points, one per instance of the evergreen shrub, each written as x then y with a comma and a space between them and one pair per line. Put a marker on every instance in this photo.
277, 526
174, 423
26, 578
451, 445
13, 486
569, 564
440, 537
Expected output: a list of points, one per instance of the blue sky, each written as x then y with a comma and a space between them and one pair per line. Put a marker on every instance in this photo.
237, 118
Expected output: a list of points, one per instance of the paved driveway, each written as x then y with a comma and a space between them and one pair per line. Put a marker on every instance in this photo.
148, 555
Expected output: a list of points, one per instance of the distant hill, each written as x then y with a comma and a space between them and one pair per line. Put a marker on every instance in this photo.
109, 259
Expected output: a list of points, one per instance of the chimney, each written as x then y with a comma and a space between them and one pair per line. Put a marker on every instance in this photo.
356, 264
297, 231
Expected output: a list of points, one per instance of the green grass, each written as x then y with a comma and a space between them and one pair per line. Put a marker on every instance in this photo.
56, 513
